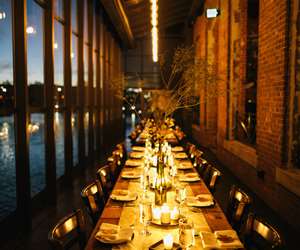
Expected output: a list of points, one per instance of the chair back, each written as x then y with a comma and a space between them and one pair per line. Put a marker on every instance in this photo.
93, 197
238, 206
211, 177
105, 176
201, 165
259, 234
68, 232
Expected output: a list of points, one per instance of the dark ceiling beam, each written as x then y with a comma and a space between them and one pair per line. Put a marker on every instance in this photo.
114, 9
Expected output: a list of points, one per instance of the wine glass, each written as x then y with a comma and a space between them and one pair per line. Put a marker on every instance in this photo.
145, 206
186, 233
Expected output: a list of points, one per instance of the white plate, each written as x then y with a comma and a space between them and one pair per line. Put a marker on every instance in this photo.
123, 195
138, 148
130, 175
201, 200
124, 235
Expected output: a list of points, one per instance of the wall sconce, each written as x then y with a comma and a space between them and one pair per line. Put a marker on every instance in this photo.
212, 13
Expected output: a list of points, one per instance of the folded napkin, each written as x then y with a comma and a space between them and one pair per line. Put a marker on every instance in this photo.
189, 177
185, 165
130, 175
138, 148
123, 195
113, 234
177, 149
220, 239
181, 155
201, 200
133, 163
136, 155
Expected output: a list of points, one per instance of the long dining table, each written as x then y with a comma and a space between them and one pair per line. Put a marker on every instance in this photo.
126, 214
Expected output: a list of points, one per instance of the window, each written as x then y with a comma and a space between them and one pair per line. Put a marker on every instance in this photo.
35, 59
74, 15
245, 115
59, 98
7, 137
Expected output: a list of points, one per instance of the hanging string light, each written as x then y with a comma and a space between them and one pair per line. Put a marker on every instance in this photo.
154, 31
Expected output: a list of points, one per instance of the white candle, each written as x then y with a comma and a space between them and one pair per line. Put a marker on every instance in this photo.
165, 214
168, 242
175, 214
156, 213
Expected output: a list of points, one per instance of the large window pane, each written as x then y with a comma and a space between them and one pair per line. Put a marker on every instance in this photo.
35, 58
37, 153
86, 21
59, 143
75, 137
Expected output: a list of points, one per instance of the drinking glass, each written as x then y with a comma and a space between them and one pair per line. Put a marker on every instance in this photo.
145, 214
186, 233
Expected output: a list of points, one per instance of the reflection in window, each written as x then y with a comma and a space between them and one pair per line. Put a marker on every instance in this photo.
35, 58
74, 15
59, 143
74, 57
75, 137
86, 132
7, 166
86, 65
37, 152
7, 137
58, 66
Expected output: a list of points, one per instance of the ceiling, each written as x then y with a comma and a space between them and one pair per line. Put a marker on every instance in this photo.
170, 13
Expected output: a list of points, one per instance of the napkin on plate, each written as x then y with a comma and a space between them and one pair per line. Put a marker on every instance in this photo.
181, 155
133, 163
220, 239
113, 234
177, 149
138, 148
201, 200
185, 165
123, 195
190, 177
130, 175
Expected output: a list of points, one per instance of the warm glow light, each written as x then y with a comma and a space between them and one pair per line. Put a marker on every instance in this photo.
72, 54
154, 31
2, 15
30, 30
55, 45
59, 89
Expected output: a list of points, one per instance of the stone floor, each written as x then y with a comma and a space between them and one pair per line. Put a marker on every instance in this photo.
69, 199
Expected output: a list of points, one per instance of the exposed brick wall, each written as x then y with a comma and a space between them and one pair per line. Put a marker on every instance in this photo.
271, 97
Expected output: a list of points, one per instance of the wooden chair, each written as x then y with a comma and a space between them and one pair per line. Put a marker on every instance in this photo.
68, 232
105, 176
211, 177
93, 197
201, 165
237, 207
258, 234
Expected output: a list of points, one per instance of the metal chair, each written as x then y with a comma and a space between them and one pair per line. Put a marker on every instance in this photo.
106, 178
93, 197
68, 232
258, 234
211, 177
237, 207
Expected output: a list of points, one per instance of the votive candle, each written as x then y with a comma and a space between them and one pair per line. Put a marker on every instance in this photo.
168, 242
165, 214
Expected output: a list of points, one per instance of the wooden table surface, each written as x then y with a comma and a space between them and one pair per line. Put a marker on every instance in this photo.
214, 216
